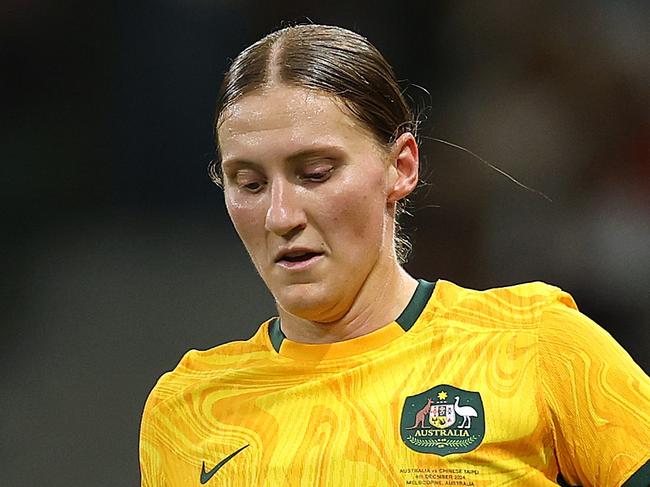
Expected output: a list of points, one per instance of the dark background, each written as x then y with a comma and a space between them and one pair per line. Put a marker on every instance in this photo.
117, 255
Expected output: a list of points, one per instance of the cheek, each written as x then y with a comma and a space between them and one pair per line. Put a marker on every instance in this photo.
358, 210
248, 219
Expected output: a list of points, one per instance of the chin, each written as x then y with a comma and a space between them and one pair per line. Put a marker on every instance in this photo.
307, 301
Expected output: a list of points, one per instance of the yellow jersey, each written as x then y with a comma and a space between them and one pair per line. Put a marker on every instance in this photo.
505, 387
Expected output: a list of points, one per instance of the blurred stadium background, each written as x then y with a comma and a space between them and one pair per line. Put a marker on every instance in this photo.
117, 252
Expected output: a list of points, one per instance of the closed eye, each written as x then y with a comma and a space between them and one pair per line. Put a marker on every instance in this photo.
247, 179
253, 187
318, 176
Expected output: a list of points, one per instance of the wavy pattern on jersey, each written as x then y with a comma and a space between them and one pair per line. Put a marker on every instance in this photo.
607, 395
532, 357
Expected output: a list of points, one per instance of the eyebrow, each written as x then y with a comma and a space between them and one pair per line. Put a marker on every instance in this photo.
318, 151
332, 151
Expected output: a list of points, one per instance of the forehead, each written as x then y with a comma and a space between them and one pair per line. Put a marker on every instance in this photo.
285, 118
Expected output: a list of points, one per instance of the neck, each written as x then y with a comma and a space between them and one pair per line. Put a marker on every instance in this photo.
381, 299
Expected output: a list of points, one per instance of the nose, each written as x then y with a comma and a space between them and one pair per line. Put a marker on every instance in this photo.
285, 215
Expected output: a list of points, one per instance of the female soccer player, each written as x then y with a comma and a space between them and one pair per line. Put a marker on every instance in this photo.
369, 377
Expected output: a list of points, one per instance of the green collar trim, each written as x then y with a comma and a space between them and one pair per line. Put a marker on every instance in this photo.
417, 303
406, 320
276, 335
640, 478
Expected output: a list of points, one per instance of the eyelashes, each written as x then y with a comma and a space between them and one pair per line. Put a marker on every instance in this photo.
253, 182
319, 175
254, 187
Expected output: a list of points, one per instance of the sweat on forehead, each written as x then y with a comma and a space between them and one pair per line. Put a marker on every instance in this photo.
281, 102
280, 121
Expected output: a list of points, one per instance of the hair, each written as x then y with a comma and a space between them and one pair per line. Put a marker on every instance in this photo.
332, 60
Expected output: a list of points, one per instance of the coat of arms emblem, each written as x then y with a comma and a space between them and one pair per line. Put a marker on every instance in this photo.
442, 415
443, 420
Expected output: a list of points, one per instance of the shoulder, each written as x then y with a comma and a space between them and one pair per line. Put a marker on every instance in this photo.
518, 304
198, 366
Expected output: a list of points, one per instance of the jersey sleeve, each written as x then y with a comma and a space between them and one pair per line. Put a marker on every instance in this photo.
151, 462
598, 401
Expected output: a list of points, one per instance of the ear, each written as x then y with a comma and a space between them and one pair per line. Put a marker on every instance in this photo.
403, 169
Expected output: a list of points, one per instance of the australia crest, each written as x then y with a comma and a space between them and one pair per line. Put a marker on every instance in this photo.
443, 420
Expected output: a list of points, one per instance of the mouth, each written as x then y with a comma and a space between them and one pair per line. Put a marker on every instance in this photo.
297, 259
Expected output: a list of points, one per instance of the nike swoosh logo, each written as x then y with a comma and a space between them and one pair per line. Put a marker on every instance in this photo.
206, 476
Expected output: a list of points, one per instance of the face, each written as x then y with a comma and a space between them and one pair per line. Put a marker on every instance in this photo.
307, 189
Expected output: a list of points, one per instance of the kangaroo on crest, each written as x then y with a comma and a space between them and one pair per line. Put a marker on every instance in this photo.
421, 416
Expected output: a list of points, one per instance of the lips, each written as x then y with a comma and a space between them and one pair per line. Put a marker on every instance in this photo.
297, 257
